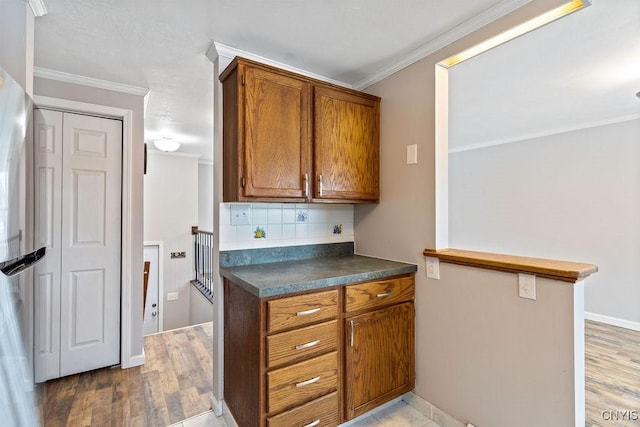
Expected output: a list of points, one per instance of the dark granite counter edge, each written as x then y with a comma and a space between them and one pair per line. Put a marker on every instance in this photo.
290, 288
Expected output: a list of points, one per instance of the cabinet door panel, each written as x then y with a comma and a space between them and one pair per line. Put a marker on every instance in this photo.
346, 146
277, 143
379, 357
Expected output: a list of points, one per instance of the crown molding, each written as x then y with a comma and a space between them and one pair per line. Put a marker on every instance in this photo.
493, 13
38, 7
550, 132
89, 81
231, 52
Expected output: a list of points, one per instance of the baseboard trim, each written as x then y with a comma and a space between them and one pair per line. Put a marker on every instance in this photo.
627, 324
216, 406
431, 411
227, 416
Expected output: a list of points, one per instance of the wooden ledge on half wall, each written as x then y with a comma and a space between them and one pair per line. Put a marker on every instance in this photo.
564, 271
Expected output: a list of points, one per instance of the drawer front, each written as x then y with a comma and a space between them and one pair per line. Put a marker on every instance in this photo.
291, 312
300, 383
299, 344
372, 295
322, 412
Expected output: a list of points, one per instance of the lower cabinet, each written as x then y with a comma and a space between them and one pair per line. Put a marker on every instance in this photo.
379, 357
317, 358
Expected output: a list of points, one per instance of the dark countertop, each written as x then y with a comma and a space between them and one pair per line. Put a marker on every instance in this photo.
280, 278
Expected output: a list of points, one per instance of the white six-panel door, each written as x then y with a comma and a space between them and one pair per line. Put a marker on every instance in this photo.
87, 328
46, 281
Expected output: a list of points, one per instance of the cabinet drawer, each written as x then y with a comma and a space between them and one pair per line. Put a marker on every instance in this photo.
322, 412
302, 382
299, 344
372, 295
291, 312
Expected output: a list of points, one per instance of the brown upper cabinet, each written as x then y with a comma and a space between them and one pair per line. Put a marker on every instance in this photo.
290, 138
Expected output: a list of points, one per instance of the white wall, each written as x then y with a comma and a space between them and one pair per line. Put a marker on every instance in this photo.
170, 210
16, 41
201, 308
572, 196
205, 196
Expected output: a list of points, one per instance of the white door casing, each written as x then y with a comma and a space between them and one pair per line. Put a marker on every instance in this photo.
78, 213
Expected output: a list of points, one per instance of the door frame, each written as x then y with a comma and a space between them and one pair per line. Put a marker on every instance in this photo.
160, 245
126, 310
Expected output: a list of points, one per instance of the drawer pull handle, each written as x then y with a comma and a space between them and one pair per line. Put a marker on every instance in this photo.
353, 328
307, 312
307, 345
307, 382
383, 295
312, 423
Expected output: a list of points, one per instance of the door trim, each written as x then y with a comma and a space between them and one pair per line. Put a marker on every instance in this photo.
127, 360
160, 245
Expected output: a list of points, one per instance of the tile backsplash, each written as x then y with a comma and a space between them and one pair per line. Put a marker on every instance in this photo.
286, 224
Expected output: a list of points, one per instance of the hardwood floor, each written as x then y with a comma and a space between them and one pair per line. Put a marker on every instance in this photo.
612, 357
174, 384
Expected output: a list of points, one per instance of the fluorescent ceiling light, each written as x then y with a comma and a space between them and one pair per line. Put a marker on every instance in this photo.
516, 31
166, 144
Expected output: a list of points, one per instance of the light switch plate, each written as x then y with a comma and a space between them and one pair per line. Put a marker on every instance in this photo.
412, 154
433, 267
527, 286
240, 214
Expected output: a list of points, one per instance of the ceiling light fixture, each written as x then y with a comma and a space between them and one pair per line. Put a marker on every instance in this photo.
166, 144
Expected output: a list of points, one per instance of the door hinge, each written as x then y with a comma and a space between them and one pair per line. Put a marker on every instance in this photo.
243, 183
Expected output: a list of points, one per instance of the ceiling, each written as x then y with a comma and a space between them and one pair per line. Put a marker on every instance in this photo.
161, 45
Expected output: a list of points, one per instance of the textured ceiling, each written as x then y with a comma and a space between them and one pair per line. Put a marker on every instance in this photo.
567, 74
161, 45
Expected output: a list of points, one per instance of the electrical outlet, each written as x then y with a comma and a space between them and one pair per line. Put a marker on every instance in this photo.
433, 267
172, 296
527, 286
240, 214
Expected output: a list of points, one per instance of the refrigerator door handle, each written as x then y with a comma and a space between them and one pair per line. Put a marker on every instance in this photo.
21, 263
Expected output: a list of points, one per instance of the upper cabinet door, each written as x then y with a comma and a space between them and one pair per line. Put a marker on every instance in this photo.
346, 146
276, 135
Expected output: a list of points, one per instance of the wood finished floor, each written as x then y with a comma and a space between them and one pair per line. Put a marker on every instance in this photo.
174, 384
612, 359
